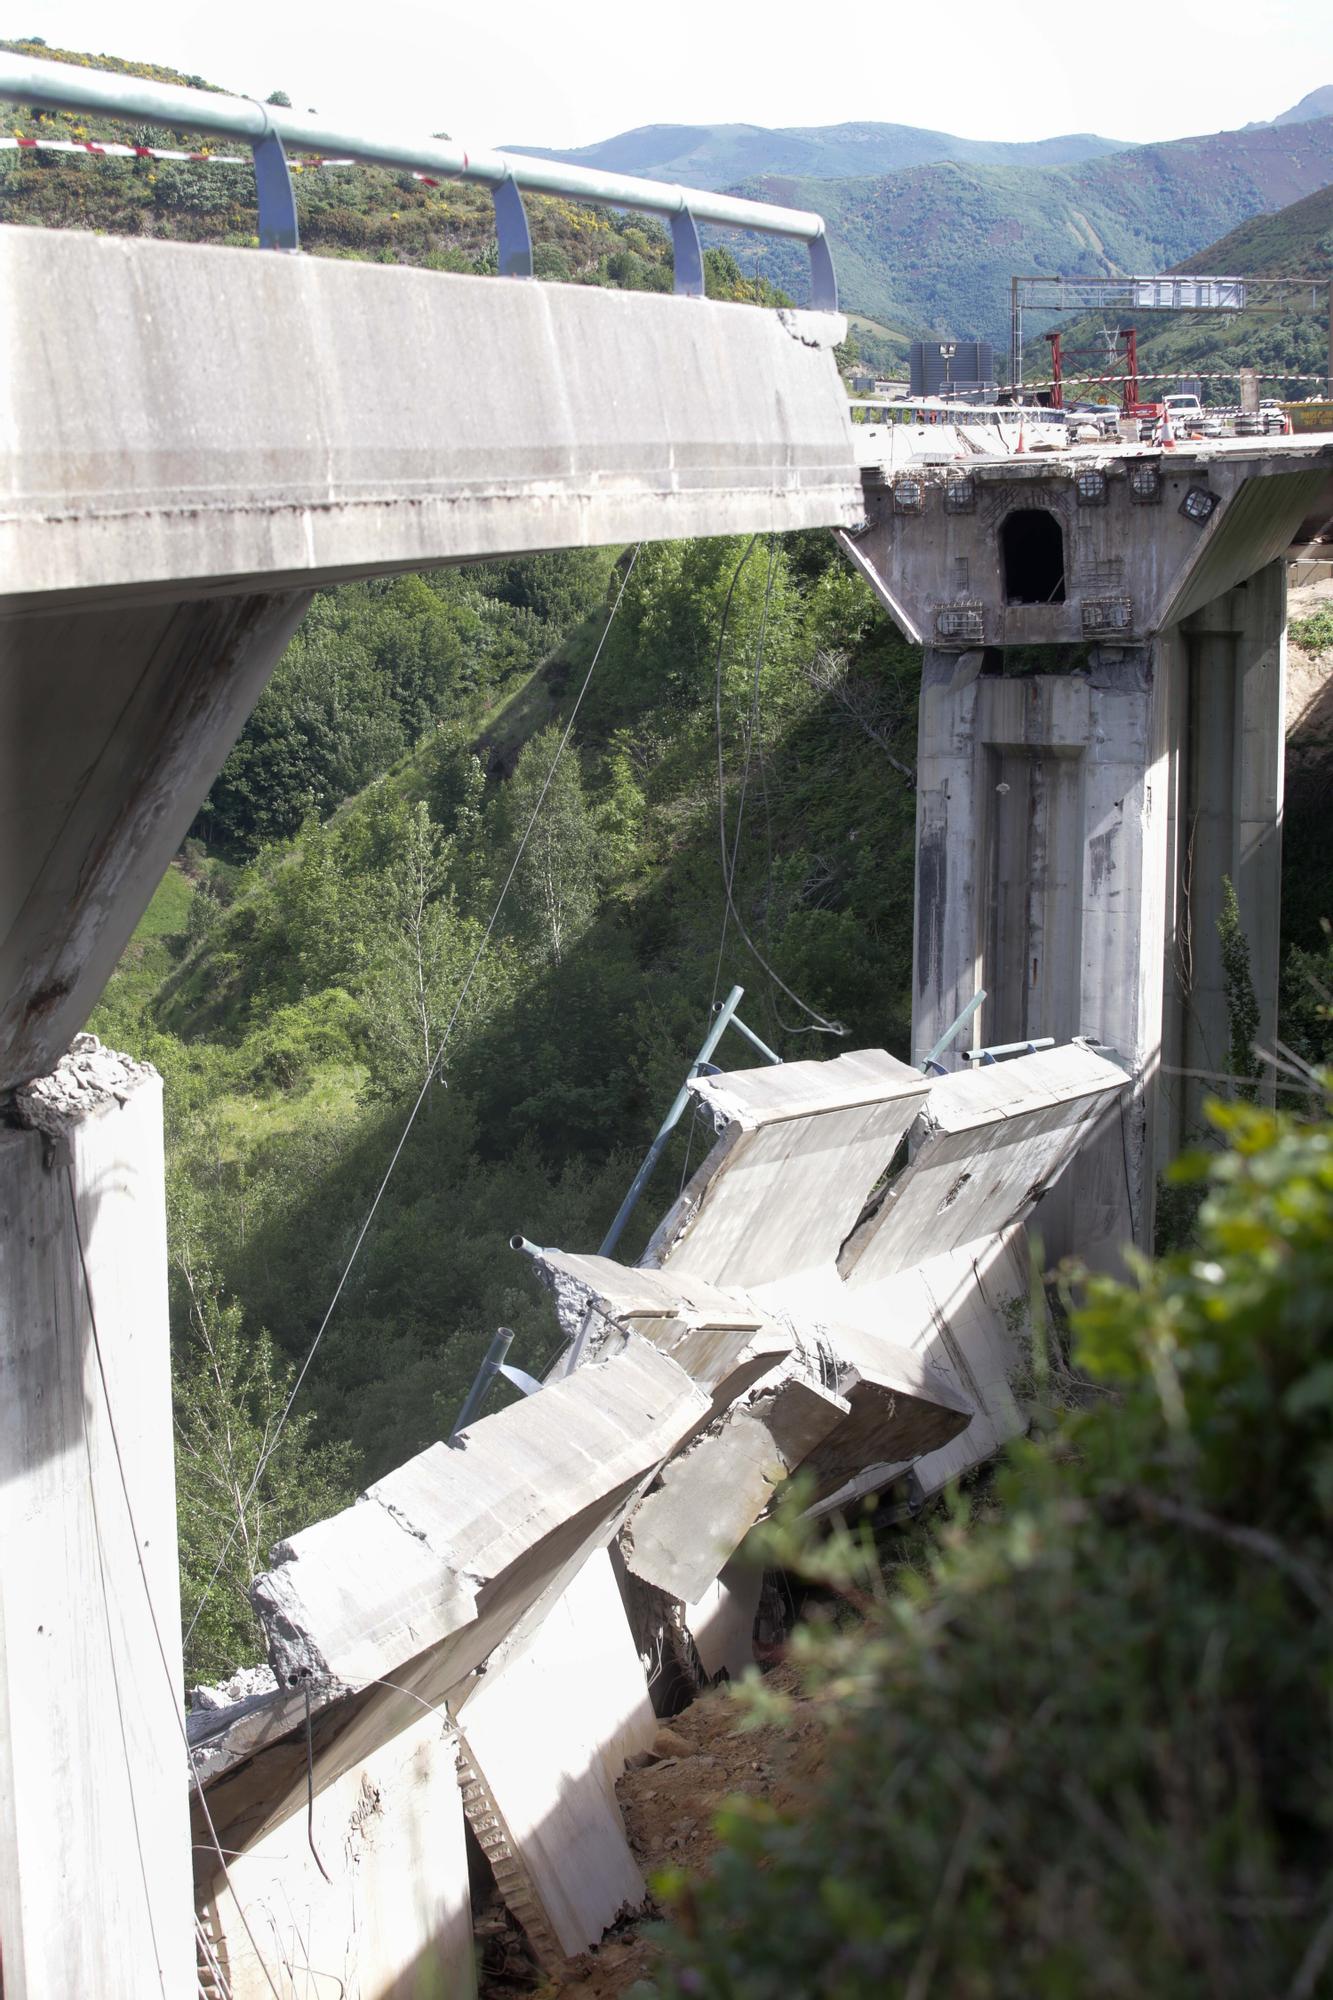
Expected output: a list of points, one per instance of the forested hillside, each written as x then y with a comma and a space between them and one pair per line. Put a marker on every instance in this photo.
938, 244
1296, 242
298, 975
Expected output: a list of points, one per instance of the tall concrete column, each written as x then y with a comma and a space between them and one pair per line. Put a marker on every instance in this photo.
95, 1879
1044, 840
1231, 748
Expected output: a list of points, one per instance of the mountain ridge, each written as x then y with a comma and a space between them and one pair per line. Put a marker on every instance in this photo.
711, 155
936, 246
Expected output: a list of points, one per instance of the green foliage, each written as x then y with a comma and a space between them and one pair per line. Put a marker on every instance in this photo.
1307, 1000
1242, 1005
1314, 633
243, 1480
555, 882
1087, 1752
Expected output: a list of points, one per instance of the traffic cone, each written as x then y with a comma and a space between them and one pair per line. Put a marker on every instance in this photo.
1168, 435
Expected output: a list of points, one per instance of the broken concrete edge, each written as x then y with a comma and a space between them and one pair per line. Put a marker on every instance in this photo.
220, 1740
88, 1078
356, 1597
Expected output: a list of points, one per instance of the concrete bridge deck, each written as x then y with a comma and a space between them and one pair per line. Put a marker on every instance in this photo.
195, 438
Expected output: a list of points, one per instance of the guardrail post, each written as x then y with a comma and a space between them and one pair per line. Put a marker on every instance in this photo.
687, 256
823, 277
278, 227
511, 227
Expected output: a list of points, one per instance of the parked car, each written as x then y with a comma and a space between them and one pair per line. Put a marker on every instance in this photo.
1185, 412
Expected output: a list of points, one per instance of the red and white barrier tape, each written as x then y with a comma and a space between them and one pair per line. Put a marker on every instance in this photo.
111, 150
1181, 375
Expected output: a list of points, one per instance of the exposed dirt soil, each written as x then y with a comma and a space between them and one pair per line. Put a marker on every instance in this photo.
701, 1758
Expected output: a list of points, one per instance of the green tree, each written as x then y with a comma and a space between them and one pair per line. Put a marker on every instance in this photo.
243, 1477
420, 958
1242, 1006
556, 881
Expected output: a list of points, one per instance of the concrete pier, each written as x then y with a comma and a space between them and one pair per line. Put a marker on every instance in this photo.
94, 1827
1100, 752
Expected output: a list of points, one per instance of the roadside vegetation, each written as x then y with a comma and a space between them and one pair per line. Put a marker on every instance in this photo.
1084, 1748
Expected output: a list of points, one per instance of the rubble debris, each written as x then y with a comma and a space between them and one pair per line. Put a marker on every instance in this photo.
537, 1594
85, 1079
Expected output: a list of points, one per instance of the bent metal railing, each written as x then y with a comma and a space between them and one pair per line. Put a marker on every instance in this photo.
269, 129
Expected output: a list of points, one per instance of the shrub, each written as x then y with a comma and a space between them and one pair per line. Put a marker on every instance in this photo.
1089, 1753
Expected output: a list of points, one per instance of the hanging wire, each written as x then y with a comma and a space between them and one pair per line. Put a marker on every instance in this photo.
262, 1463
820, 1024
115, 1688
173, 1694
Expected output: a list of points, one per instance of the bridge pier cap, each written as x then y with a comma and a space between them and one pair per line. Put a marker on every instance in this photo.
1101, 749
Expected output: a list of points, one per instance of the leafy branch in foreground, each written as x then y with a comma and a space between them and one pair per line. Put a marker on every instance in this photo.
1087, 1751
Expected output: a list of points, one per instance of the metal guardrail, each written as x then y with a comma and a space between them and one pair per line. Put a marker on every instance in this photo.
269, 129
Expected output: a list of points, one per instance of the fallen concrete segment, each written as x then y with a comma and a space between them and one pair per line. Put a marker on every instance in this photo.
308, 437
582, 1547
546, 1733
371, 1900
988, 1144
453, 1548
707, 1499
804, 1144
721, 1340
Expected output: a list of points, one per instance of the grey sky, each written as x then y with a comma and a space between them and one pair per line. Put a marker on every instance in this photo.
566, 75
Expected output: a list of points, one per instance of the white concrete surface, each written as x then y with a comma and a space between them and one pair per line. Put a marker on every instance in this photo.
804, 1144
393, 1922
721, 1622
549, 1727
987, 1144
94, 1829
452, 1548
228, 416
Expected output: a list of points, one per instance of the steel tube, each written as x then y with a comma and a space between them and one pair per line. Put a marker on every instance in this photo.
485, 1375
949, 1033
768, 1054
54, 86
669, 1123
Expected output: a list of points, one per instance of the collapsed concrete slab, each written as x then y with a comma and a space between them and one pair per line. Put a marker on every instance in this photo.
546, 1732
803, 1144
577, 1556
371, 1898
987, 1145
706, 1500
721, 1623
456, 1545
721, 1340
